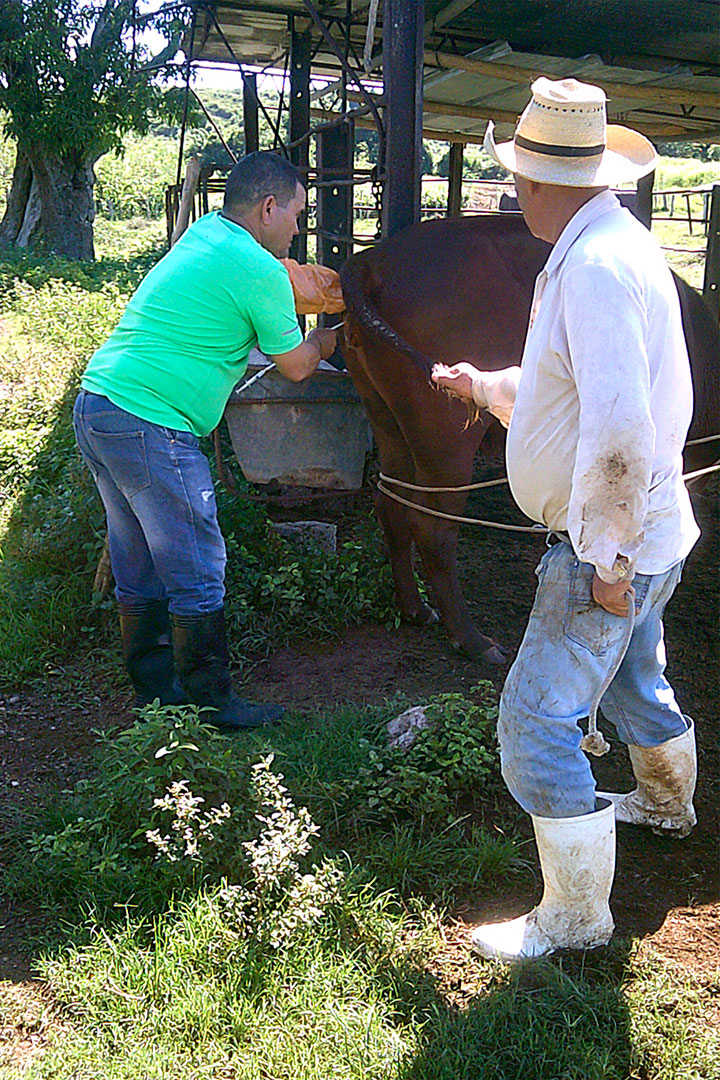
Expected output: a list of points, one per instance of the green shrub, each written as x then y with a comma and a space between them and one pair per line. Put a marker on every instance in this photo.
93, 847
124, 265
454, 757
173, 804
275, 593
69, 316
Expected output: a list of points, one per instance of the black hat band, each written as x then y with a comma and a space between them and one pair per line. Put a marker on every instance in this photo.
558, 151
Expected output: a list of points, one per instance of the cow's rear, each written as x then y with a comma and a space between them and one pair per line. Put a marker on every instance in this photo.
451, 290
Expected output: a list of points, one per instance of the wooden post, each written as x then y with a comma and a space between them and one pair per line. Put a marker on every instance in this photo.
711, 282
402, 75
192, 175
335, 150
102, 582
300, 53
169, 216
455, 179
643, 208
250, 114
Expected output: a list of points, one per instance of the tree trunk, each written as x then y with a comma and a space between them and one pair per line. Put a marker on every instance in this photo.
31, 227
17, 200
51, 202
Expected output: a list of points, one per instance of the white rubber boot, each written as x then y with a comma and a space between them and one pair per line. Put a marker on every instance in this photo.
666, 776
577, 858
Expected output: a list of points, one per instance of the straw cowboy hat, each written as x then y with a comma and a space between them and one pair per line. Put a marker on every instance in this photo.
563, 138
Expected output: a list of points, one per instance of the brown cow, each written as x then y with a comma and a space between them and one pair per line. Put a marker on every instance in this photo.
450, 290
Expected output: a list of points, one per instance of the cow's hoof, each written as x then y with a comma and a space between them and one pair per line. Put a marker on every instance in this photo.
485, 650
496, 654
426, 616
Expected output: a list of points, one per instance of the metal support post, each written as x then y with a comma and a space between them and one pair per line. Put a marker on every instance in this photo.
403, 23
250, 114
643, 206
300, 54
335, 152
711, 282
455, 179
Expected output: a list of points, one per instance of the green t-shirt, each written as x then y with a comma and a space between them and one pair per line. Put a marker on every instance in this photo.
183, 341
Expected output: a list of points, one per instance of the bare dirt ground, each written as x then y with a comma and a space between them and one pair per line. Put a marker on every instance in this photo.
666, 892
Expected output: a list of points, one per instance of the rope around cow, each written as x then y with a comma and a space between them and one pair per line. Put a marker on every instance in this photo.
537, 530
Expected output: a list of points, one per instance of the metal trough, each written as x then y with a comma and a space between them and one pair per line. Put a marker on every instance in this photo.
309, 434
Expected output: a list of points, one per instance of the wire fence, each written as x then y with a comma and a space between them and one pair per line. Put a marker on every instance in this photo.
686, 206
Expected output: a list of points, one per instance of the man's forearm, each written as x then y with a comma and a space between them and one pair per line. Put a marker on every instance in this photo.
609, 496
496, 391
491, 390
304, 361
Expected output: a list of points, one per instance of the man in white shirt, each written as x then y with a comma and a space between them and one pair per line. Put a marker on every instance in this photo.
597, 418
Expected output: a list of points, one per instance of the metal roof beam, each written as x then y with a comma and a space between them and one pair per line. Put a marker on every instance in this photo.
510, 73
649, 122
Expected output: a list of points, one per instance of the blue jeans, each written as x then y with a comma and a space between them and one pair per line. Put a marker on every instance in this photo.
569, 646
155, 484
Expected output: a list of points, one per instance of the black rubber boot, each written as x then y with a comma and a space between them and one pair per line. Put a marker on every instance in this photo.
148, 652
202, 662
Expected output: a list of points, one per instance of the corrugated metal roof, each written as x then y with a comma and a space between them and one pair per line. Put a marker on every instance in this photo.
657, 59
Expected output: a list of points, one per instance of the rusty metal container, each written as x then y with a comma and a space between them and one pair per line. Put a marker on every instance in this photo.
309, 434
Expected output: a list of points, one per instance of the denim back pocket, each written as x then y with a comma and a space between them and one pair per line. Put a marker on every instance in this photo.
124, 455
588, 624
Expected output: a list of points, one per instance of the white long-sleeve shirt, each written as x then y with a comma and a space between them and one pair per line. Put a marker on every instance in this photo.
604, 398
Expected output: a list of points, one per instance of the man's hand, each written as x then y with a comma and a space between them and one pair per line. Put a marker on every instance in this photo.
491, 390
613, 598
301, 362
326, 341
457, 380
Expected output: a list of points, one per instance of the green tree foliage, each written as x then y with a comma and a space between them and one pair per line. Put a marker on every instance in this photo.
132, 183
695, 150
75, 78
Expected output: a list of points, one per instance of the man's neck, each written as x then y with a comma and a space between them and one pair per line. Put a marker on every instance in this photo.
242, 220
563, 205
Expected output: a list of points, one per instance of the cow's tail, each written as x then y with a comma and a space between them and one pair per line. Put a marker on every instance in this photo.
358, 304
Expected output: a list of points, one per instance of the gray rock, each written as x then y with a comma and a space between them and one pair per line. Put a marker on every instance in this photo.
403, 730
309, 535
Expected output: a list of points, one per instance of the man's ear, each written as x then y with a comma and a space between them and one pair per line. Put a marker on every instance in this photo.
267, 205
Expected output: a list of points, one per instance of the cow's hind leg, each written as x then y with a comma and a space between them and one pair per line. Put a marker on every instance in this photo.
395, 461
436, 542
394, 519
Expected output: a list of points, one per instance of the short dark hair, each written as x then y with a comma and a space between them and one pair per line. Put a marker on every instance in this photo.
258, 175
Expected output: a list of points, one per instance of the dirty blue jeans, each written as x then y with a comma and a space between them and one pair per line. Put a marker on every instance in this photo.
569, 646
155, 484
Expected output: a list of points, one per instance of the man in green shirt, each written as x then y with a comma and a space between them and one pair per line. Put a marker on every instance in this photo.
159, 383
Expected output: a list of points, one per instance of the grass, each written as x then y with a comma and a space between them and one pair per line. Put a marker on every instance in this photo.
162, 980
214, 966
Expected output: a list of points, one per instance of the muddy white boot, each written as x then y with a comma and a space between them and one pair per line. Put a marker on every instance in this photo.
666, 776
577, 858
